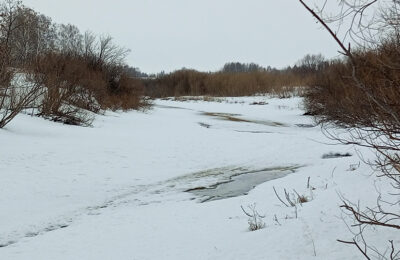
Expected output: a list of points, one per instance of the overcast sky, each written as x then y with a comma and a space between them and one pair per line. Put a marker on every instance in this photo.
200, 34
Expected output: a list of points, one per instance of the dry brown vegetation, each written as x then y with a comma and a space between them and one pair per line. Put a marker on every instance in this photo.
63, 74
336, 97
361, 92
282, 83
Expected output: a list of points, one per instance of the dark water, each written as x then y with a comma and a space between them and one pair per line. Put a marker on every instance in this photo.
241, 183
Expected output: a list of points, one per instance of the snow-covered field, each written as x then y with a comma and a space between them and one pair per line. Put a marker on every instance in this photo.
117, 190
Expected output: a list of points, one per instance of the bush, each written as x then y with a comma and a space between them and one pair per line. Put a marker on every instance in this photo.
73, 87
255, 220
334, 95
65, 99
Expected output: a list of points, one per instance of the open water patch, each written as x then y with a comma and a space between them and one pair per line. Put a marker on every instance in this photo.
241, 183
237, 118
332, 155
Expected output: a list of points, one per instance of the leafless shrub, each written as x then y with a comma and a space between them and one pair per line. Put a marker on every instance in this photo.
289, 202
65, 98
186, 82
292, 199
255, 219
16, 93
381, 216
367, 95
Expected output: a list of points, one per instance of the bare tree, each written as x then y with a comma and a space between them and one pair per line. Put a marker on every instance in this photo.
311, 63
69, 39
110, 53
89, 45
33, 36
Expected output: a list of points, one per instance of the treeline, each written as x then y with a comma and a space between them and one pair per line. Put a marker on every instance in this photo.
237, 67
59, 71
237, 79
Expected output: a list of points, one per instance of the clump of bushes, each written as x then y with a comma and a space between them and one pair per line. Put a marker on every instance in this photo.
67, 76
335, 94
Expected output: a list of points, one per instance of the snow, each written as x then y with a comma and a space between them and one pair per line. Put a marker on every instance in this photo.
117, 190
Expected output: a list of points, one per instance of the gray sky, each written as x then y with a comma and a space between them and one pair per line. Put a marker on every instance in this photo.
200, 34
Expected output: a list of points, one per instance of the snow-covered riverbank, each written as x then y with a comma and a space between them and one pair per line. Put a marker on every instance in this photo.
117, 190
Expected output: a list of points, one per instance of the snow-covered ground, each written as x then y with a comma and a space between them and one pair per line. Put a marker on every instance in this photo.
117, 190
